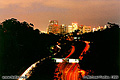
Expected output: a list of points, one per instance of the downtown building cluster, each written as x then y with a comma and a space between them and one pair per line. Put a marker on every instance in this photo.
54, 28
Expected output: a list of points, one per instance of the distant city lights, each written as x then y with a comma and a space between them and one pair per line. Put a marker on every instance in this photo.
54, 28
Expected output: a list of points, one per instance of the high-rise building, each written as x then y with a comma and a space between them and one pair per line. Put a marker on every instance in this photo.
98, 28
63, 29
74, 26
81, 29
94, 29
70, 28
53, 27
86, 29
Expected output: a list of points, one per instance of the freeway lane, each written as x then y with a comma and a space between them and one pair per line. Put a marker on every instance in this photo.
72, 51
65, 70
72, 71
61, 65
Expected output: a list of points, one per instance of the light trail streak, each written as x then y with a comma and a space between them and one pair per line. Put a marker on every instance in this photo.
85, 50
61, 65
71, 71
75, 69
72, 51
28, 72
68, 74
82, 72
64, 71
76, 73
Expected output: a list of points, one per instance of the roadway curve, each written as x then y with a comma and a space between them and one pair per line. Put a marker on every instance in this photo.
71, 71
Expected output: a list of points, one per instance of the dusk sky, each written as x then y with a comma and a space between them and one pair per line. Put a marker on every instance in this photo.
39, 12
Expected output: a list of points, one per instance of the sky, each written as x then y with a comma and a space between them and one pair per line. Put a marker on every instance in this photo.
39, 12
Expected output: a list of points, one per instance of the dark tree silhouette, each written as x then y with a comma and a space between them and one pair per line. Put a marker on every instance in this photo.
21, 46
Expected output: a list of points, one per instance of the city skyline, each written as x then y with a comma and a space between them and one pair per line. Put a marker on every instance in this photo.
54, 28
91, 13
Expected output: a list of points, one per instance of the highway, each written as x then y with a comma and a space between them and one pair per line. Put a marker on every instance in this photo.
71, 71
64, 70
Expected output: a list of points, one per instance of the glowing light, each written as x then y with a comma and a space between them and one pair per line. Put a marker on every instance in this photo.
55, 53
68, 74
82, 72
72, 51
73, 60
70, 71
52, 47
59, 60
94, 29
28, 72
59, 47
85, 50
75, 37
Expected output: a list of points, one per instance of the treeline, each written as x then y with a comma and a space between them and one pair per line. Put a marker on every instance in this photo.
21, 46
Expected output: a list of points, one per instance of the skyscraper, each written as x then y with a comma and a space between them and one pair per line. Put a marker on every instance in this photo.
63, 29
74, 26
86, 29
53, 27
70, 29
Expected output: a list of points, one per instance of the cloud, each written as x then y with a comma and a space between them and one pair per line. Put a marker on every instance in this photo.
75, 4
21, 3
64, 4
39, 12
